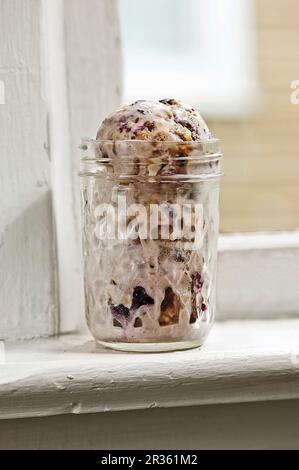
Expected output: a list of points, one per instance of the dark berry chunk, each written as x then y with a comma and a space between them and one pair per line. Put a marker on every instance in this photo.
168, 299
193, 316
170, 102
120, 311
138, 323
194, 310
116, 323
170, 308
140, 297
197, 282
180, 257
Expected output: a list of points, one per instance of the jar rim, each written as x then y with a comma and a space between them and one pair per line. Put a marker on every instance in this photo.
182, 142
175, 159
207, 144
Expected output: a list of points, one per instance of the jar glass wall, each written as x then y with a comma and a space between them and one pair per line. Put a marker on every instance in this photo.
150, 227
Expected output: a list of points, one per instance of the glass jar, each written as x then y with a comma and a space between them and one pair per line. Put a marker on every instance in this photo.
150, 228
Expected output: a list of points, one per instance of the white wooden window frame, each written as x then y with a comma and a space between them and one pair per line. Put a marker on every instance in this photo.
258, 275
51, 53
75, 114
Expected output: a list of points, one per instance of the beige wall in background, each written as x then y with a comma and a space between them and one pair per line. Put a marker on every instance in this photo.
260, 190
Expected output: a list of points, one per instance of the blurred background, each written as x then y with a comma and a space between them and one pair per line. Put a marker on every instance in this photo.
236, 62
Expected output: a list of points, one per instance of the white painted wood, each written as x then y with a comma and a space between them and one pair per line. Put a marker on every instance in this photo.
68, 246
258, 276
263, 425
28, 297
241, 362
83, 50
258, 241
60, 64
93, 79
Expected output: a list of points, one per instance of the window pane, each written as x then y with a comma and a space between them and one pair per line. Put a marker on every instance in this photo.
235, 61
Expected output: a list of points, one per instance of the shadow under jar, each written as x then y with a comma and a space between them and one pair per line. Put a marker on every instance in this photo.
150, 228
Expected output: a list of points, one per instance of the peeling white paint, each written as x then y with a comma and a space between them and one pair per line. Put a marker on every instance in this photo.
28, 297
241, 361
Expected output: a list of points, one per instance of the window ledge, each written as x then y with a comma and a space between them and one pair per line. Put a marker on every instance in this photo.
258, 276
242, 361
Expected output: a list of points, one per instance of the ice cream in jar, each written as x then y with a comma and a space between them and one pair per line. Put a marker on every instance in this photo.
150, 190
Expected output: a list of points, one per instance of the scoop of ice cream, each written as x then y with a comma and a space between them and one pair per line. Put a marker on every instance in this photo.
164, 120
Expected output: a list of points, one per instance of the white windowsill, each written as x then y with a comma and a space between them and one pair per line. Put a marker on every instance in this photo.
258, 276
241, 361
258, 241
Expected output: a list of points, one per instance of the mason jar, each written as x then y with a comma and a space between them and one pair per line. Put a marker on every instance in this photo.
150, 226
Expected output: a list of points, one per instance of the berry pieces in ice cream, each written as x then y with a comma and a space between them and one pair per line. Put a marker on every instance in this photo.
164, 120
